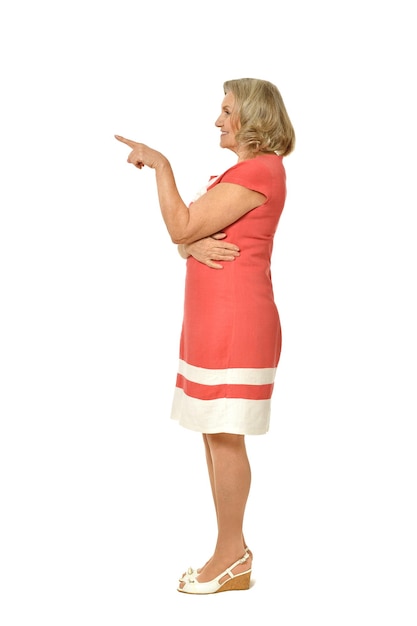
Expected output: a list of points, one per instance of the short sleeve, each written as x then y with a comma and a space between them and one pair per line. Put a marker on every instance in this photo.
256, 174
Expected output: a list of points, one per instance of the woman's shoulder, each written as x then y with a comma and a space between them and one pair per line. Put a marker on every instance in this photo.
262, 162
264, 166
263, 173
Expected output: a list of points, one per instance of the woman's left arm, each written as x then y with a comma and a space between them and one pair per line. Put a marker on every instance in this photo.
219, 207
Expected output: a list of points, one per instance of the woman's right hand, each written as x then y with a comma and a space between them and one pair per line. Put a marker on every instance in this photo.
211, 249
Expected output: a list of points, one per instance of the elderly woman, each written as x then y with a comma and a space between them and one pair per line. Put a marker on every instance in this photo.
231, 335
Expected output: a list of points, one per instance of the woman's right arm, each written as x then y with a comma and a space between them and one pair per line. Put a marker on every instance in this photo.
209, 250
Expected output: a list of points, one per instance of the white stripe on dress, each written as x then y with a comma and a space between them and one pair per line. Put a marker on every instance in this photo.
232, 376
231, 415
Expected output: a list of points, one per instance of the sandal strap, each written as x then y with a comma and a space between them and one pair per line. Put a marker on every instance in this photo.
228, 571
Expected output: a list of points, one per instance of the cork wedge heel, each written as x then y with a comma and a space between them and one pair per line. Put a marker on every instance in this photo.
239, 582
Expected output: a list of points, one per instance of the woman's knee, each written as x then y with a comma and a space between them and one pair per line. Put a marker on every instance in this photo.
229, 441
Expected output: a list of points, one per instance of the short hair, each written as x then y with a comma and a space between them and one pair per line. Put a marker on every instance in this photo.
260, 116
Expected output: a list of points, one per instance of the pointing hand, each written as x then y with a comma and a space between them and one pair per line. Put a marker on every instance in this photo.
141, 154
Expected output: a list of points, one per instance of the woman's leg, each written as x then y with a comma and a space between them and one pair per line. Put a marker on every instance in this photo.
210, 470
230, 478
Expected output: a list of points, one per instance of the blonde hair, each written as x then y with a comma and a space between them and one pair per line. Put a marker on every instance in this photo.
261, 119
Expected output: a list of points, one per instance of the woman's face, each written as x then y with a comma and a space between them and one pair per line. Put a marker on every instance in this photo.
225, 122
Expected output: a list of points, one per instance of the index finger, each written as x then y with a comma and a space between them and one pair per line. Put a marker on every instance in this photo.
128, 142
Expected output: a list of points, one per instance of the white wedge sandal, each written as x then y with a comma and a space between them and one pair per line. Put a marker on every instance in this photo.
234, 582
192, 571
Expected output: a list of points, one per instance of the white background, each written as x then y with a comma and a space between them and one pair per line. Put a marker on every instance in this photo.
104, 501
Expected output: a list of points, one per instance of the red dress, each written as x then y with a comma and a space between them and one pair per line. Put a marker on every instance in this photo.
231, 334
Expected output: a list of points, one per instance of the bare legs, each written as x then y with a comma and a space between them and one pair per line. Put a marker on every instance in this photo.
230, 478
